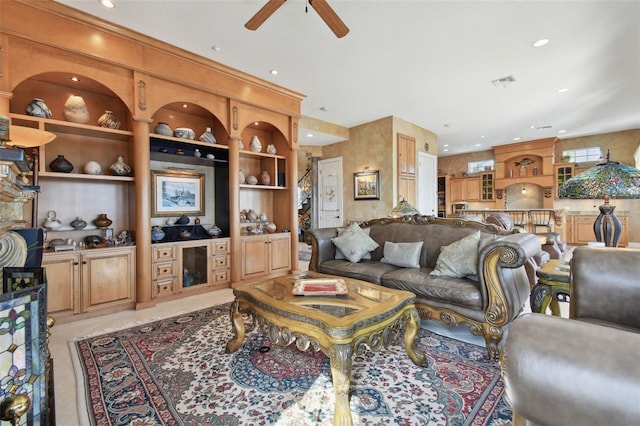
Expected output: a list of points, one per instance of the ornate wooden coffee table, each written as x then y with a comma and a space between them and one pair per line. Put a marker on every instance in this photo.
367, 316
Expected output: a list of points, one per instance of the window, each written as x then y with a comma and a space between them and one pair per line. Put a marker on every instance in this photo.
479, 166
582, 155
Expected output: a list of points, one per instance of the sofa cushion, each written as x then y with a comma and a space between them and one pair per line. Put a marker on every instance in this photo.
406, 255
366, 270
354, 243
458, 259
341, 256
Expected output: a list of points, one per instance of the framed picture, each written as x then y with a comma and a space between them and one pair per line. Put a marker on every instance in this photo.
177, 193
15, 278
366, 185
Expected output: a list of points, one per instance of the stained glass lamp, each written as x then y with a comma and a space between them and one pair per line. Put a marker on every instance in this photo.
404, 208
607, 180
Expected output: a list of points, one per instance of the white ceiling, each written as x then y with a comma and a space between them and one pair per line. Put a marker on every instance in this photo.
427, 62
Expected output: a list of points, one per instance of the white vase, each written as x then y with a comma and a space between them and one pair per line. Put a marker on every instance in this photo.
242, 179
255, 145
271, 149
75, 110
92, 168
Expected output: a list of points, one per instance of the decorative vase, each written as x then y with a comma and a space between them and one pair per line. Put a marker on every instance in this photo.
163, 129
102, 221
255, 144
265, 179
252, 216
271, 149
240, 144
183, 220
37, 108
215, 231
109, 120
75, 110
197, 153
52, 222
207, 136
184, 133
120, 168
271, 227
252, 180
157, 234
242, 179
78, 223
92, 168
61, 165
263, 217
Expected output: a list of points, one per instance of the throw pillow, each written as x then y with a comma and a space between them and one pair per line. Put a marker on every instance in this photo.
340, 256
354, 243
458, 259
406, 255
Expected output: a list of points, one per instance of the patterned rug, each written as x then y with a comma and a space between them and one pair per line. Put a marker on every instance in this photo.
175, 372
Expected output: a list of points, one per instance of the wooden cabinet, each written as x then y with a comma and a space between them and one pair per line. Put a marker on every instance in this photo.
486, 187
407, 168
164, 269
265, 255
90, 280
220, 272
444, 195
465, 189
581, 231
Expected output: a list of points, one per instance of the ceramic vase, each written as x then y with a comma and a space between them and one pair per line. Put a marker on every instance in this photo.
207, 136
75, 110
215, 231
38, 108
197, 153
252, 216
120, 168
61, 165
163, 129
240, 144
242, 179
78, 223
252, 180
109, 120
92, 168
271, 149
183, 220
265, 178
52, 222
255, 145
102, 221
157, 234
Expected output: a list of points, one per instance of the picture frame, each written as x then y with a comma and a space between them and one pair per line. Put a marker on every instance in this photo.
20, 278
366, 185
177, 193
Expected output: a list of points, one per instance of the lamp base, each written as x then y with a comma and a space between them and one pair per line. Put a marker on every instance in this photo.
607, 226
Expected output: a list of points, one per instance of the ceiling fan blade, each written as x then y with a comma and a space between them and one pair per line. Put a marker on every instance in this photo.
263, 14
330, 17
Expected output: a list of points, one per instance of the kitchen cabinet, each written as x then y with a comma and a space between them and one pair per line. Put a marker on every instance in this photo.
80, 282
265, 255
486, 187
407, 168
444, 195
563, 172
580, 230
465, 189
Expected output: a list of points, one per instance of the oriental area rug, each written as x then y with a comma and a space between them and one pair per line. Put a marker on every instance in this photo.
176, 372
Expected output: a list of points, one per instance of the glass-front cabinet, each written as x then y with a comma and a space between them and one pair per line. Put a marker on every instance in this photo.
486, 187
195, 265
563, 173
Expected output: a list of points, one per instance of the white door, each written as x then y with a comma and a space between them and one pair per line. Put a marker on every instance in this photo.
427, 184
330, 193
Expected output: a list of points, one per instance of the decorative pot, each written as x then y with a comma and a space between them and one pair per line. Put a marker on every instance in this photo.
4, 129
75, 110
240, 144
207, 136
78, 223
197, 153
184, 133
157, 234
182, 220
271, 227
252, 216
271, 149
52, 222
61, 165
102, 221
263, 217
163, 129
255, 145
92, 168
252, 180
265, 179
120, 168
37, 108
242, 179
215, 231
109, 120
184, 234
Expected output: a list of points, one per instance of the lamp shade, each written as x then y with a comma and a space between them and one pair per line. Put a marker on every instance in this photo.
403, 209
605, 180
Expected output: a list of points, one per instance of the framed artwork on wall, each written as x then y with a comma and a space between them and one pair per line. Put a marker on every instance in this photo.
366, 185
177, 193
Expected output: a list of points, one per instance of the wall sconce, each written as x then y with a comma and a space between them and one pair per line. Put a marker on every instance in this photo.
524, 190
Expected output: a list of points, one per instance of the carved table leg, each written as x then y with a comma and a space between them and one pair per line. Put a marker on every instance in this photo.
238, 328
540, 298
341, 372
410, 333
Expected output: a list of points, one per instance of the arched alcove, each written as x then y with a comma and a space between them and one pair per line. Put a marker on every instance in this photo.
531, 198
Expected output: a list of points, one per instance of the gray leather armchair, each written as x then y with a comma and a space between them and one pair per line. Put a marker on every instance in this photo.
584, 370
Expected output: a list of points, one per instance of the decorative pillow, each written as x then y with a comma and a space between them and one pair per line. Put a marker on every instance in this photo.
354, 243
458, 259
406, 255
340, 255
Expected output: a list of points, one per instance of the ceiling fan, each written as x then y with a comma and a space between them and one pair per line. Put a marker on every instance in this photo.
323, 9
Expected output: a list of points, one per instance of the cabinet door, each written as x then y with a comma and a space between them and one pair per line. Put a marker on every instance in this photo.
280, 252
457, 190
406, 155
407, 189
107, 278
63, 284
582, 230
254, 257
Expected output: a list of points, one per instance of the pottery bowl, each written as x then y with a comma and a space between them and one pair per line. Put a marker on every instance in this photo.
184, 133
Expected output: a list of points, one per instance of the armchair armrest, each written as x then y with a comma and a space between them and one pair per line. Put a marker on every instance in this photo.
322, 248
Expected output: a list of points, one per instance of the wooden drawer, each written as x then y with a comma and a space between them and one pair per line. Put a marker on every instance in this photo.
221, 262
163, 288
164, 270
164, 253
221, 277
221, 247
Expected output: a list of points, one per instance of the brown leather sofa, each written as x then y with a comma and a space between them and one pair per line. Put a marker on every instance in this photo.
486, 302
581, 371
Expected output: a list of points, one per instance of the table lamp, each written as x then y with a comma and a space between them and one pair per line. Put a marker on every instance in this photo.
403, 208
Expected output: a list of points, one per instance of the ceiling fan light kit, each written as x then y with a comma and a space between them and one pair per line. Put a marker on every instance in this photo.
322, 8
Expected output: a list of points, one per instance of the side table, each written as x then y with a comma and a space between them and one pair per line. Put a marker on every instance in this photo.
552, 287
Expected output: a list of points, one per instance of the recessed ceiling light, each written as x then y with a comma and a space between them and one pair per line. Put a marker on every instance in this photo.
516, 139
185, 106
256, 123
325, 109
478, 144
108, 4
564, 89
75, 79
445, 150
216, 48
309, 135
562, 131
274, 72
541, 42
446, 144
481, 136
